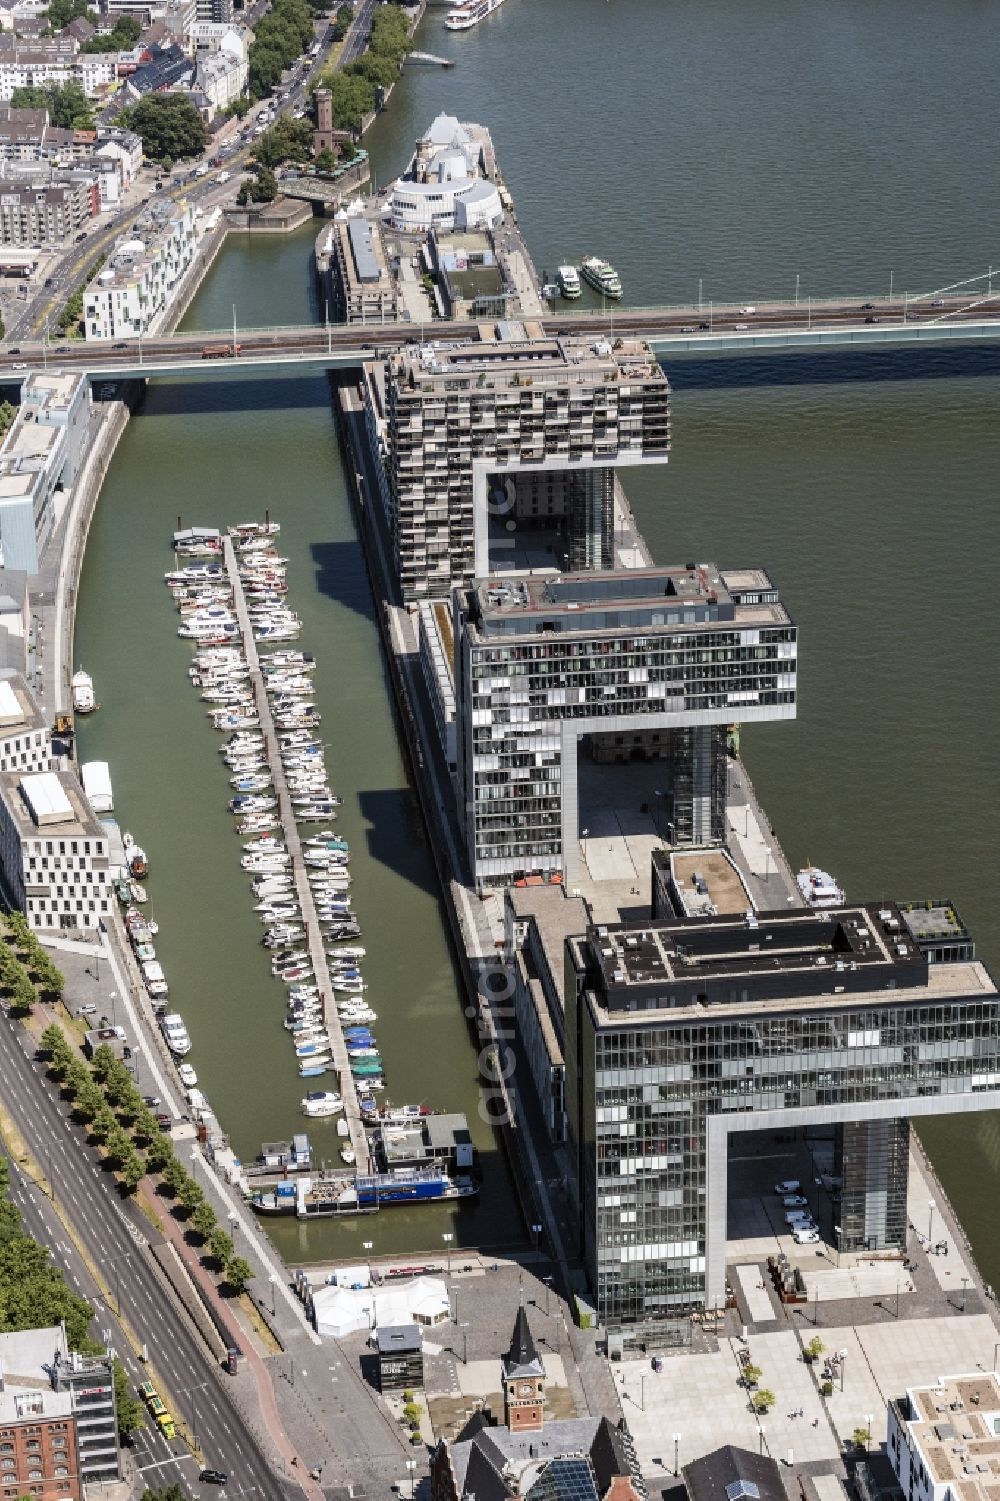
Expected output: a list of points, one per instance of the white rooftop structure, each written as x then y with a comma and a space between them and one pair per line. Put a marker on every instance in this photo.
339, 1311
450, 183
46, 800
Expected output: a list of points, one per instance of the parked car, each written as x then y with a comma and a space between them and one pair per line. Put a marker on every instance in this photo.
795, 1201
19, 366
870, 319
790, 1186
805, 1237
798, 1219
867, 307
213, 1477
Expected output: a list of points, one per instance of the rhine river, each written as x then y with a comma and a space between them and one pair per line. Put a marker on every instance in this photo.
727, 151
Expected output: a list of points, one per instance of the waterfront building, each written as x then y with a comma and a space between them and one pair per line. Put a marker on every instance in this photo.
130, 292
943, 1440
680, 1033
15, 623
489, 445
529, 1456
25, 744
544, 664
58, 1426
363, 284
54, 862
49, 212
39, 459
451, 183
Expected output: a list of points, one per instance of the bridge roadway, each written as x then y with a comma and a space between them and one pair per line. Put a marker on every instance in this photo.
770, 329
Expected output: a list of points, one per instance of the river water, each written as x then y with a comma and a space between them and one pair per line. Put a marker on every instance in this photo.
737, 147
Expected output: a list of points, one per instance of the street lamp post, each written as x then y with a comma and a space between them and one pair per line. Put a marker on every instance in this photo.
677, 1453
843, 1363
536, 1231
411, 1465
965, 1284
869, 1420
234, 1223
448, 1238
760, 1438
272, 1279
931, 1206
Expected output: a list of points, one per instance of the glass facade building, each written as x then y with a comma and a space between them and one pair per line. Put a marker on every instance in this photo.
680, 1032
542, 662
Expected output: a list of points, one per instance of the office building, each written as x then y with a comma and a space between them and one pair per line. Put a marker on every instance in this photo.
545, 664
89, 1380
943, 1441
25, 743
680, 1033
363, 285
489, 444
54, 863
58, 1425
39, 459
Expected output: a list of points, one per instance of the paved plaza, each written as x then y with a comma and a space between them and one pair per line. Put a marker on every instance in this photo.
699, 1396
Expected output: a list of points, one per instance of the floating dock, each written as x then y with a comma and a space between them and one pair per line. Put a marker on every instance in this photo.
303, 889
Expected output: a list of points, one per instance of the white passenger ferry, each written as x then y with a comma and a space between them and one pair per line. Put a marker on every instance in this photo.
469, 13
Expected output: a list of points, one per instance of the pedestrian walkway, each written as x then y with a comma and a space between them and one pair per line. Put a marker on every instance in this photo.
303, 889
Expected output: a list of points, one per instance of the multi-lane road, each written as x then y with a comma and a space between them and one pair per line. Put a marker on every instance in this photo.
116, 1239
130, 357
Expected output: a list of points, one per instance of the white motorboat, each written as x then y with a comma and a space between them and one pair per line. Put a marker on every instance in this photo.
321, 1103
82, 687
187, 1075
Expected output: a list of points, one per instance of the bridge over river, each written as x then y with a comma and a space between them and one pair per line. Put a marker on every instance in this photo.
769, 328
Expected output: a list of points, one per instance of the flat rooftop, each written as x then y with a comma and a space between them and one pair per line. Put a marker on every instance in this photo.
708, 878
49, 804
956, 1425
785, 960
494, 361
618, 599
934, 920
18, 710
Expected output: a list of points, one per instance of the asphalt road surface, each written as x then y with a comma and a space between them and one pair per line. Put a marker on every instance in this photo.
116, 1238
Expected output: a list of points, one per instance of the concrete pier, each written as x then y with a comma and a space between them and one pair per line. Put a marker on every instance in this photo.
310, 922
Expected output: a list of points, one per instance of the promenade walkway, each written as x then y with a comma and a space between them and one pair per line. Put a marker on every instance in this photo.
310, 922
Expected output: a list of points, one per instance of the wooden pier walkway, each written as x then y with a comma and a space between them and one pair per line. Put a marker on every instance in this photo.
310, 922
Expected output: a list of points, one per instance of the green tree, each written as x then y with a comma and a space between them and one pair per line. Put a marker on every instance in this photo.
67, 104
8, 411
61, 12
280, 37
263, 188
132, 1170
169, 125
815, 1347
190, 1194
23, 995
345, 15
104, 1124
862, 1438
103, 1062
168, 1493
326, 160
762, 1400
146, 1128
751, 1374
203, 1220
123, 36
118, 1146
351, 98
221, 1246
238, 1273
160, 1152
173, 1175
287, 140
129, 1409
89, 1101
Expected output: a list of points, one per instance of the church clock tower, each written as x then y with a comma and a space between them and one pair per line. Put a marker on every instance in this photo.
523, 1380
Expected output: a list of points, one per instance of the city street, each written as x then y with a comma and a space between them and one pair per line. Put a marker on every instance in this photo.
116, 1237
